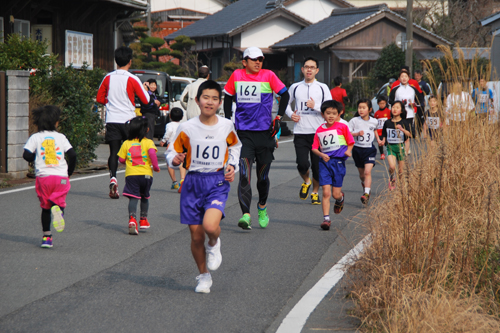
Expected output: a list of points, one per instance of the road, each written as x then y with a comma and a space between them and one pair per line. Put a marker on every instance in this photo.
99, 278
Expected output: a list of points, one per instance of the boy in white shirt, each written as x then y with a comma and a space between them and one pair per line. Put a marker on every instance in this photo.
175, 115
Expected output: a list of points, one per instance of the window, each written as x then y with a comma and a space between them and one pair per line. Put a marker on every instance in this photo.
22, 27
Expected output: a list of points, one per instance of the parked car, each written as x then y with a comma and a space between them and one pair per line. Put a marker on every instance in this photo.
164, 89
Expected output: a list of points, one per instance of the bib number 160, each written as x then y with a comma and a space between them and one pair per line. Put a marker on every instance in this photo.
205, 153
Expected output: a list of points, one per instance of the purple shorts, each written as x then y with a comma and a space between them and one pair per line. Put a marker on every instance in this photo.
202, 191
332, 172
52, 190
137, 186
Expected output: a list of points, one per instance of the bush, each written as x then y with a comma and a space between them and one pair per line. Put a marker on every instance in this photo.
360, 88
71, 89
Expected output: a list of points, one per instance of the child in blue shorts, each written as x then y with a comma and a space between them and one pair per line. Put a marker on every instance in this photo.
212, 148
333, 143
364, 130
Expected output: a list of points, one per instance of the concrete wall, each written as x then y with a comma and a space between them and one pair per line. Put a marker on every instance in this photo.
17, 122
312, 10
268, 33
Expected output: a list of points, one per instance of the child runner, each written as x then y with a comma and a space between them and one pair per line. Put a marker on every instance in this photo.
381, 115
338, 93
175, 115
395, 132
138, 153
333, 144
48, 148
213, 148
363, 129
433, 122
483, 98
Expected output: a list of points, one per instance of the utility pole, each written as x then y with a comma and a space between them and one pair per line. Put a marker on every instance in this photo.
148, 18
409, 34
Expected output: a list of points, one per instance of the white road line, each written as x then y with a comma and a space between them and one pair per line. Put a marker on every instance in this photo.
297, 317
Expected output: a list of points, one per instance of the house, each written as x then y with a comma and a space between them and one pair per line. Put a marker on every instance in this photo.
493, 21
350, 40
260, 23
85, 31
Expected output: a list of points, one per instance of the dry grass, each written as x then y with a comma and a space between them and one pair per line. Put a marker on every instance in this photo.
434, 260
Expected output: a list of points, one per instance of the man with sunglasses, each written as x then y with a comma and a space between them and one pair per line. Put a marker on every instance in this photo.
252, 89
308, 95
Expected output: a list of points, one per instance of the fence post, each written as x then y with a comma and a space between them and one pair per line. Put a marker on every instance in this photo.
3, 124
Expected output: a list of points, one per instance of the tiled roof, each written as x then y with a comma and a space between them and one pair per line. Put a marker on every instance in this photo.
224, 21
340, 21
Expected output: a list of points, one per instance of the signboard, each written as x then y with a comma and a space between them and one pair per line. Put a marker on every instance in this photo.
42, 32
78, 49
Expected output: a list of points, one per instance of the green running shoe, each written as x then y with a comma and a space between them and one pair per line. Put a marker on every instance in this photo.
245, 222
263, 217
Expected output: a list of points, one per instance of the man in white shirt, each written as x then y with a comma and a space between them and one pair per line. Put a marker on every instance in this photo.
308, 95
189, 94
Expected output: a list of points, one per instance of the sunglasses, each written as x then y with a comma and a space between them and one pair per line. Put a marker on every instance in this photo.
259, 59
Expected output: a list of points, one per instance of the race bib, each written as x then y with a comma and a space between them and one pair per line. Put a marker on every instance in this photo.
380, 123
208, 153
364, 140
329, 141
395, 136
248, 92
483, 98
433, 122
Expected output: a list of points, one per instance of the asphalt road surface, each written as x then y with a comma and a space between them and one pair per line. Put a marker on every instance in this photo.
97, 277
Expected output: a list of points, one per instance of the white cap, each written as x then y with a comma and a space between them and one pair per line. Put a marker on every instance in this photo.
252, 52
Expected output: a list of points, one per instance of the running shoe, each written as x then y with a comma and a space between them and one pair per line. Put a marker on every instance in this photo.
132, 226
214, 257
180, 186
113, 188
46, 242
304, 191
57, 218
263, 217
364, 198
175, 185
144, 223
326, 225
315, 199
245, 222
382, 157
392, 184
339, 205
204, 283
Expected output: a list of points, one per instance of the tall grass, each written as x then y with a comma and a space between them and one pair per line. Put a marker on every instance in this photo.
433, 264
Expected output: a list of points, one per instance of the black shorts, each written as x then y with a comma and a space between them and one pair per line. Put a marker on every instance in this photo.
257, 145
116, 131
138, 186
362, 156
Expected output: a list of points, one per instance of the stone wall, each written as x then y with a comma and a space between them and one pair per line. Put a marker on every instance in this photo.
17, 122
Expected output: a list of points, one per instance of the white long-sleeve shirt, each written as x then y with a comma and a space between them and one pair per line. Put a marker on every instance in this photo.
310, 119
170, 130
209, 148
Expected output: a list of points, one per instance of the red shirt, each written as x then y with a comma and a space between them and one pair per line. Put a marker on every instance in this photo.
338, 95
382, 116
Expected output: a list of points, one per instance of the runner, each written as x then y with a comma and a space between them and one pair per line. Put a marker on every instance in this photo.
408, 91
364, 130
308, 95
117, 92
210, 147
381, 115
483, 98
252, 89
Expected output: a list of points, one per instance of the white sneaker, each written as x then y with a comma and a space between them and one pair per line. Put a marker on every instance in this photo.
214, 257
204, 283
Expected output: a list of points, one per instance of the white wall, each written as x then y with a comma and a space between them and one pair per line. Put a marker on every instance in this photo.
204, 6
312, 10
268, 33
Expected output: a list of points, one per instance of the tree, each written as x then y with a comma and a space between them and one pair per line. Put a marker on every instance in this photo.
229, 67
188, 58
389, 64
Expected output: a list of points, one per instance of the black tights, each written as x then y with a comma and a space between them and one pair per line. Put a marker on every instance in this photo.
132, 207
46, 219
245, 188
114, 148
